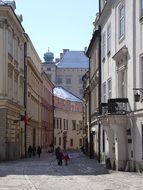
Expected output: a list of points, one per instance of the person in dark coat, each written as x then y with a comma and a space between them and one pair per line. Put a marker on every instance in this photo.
30, 150
57, 152
60, 158
39, 151
34, 151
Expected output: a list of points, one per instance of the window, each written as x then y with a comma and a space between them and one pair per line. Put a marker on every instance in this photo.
104, 92
121, 21
68, 81
80, 142
142, 141
59, 141
109, 39
103, 140
122, 83
67, 124
141, 72
103, 46
109, 89
48, 69
71, 142
59, 80
141, 8
73, 124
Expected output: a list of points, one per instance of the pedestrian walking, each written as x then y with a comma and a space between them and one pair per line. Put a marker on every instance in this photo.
34, 151
57, 151
39, 151
30, 150
66, 158
60, 158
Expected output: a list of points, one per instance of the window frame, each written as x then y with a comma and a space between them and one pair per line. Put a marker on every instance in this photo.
121, 21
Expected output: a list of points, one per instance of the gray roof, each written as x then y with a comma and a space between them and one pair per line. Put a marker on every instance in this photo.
74, 59
64, 94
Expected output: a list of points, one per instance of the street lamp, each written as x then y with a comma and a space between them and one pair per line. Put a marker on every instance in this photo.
137, 96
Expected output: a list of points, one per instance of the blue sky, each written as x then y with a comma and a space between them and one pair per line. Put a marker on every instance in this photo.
58, 24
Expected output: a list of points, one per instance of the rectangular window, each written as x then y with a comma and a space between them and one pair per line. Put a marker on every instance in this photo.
108, 39
141, 73
122, 84
141, 8
103, 45
80, 142
121, 21
71, 142
109, 89
73, 124
142, 141
104, 92
103, 140
67, 124
59, 80
68, 81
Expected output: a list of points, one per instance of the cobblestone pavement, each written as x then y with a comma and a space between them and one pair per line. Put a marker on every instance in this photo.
82, 173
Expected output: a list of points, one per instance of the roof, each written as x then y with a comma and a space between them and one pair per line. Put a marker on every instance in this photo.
74, 59
64, 94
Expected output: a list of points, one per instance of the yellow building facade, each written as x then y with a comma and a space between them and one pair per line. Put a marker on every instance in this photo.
33, 102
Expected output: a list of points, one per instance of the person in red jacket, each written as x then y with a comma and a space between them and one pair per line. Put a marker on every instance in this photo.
66, 158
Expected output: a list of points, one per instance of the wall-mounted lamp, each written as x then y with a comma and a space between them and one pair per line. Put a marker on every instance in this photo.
137, 96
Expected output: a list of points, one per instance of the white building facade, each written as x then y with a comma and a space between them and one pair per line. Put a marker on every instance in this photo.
121, 118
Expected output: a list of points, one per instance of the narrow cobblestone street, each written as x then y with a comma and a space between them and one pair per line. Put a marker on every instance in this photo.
82, 173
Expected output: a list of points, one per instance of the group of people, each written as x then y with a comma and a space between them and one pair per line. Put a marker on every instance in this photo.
60, 156
32, 151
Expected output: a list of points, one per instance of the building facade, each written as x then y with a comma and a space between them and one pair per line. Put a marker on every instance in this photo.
68, 70
12, 40
120, 115
68, 128
47, 116
33, 96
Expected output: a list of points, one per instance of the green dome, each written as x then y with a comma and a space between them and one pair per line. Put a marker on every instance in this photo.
48, 56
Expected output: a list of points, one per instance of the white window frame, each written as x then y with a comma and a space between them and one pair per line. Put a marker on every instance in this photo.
109, 88
103, 45
121, 21
104, 92
109, 39
141, 71
122, 83
141, 8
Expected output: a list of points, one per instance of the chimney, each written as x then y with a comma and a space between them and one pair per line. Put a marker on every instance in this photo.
61, 55
65, 50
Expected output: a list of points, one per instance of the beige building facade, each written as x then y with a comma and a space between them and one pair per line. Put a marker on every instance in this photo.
68, 128
33, 94
12, 40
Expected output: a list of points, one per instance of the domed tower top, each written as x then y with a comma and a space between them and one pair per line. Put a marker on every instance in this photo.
48, 56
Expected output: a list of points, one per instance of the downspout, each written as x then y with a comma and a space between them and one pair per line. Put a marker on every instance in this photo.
134, 74
53, 110
99, 96
89, 118
25, 97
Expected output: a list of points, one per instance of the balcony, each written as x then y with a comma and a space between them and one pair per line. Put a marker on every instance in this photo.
117, 106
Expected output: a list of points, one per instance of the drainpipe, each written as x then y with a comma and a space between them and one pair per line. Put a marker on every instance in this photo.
25, 96
89, 120
99, 96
